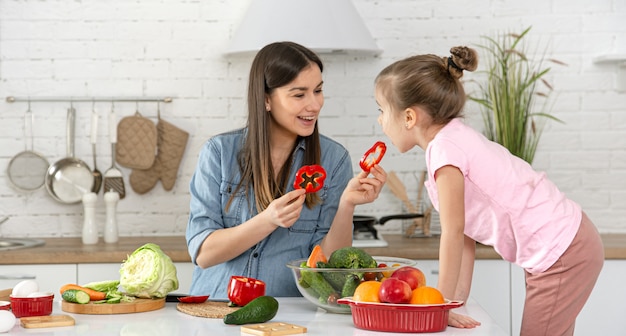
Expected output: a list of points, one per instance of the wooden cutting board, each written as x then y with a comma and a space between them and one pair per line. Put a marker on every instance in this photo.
273, 329
4, 294
46, 321
136, 306
210, 309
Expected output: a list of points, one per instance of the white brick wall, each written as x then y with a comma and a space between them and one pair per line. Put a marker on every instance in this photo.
95, 48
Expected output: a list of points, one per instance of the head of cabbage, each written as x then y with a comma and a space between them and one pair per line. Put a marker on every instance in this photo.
148, 273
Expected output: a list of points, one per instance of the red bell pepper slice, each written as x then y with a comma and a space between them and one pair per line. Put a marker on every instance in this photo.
193, 299
311, 178
373, 156
242, 290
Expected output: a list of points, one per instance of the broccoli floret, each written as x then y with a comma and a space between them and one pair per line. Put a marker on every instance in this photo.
351, 257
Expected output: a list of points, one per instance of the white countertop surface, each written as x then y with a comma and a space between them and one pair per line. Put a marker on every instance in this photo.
170, 322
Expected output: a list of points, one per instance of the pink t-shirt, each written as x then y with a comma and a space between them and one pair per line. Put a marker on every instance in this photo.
508, 205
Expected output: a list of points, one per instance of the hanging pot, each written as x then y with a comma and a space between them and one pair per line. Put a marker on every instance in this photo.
68, 179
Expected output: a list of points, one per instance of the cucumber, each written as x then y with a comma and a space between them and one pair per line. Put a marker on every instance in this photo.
327, 294
350, 285
75, 296
259, 310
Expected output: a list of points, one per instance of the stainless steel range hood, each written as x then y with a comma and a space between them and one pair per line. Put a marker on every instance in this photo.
325, 26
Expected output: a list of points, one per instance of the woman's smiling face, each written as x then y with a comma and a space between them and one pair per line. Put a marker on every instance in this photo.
295, 107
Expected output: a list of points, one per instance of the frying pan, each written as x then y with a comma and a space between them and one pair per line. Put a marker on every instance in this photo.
68, 179
366, 223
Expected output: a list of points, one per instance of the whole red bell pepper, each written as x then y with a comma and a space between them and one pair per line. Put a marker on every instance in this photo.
242, 290
311, 178
373, 156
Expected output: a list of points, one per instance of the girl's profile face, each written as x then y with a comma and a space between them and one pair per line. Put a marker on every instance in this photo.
295, 107
390, 121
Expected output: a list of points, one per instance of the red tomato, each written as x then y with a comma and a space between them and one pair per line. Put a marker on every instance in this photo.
394, 291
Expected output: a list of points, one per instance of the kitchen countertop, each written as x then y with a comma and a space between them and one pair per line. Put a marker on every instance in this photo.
72, 251
168, 322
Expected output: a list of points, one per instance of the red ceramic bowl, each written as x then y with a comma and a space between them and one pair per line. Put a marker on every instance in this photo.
5, 305
407, 318
32, 306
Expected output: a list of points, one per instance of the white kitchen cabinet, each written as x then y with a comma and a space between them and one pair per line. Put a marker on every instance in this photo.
100, 272
605, 310
518, 295
49, 277
490, 286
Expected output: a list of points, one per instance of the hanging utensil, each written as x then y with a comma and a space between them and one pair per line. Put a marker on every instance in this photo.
68, 179
97, 175
113, 178
419, 223
398, 189
27, 169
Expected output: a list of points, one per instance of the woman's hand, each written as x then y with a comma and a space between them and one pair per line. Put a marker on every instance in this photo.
461, 321
363, 189
285, 211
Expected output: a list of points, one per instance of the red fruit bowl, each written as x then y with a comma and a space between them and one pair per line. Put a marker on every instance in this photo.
32, 306
400, 318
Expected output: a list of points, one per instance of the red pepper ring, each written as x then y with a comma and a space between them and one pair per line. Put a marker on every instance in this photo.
242, 290
373, 156
310, 178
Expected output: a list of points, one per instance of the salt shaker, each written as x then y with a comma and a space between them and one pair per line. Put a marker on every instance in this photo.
110, 228
90, 229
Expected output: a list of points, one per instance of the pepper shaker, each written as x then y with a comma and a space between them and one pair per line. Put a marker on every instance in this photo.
90, 229
110, 228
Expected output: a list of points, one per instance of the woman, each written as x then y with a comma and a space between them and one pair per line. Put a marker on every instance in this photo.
245, 218
483, 193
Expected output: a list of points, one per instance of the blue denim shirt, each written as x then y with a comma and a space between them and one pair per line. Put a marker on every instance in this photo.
216, 177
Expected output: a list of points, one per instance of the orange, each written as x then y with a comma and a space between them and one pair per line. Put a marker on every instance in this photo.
367, 291
426, 295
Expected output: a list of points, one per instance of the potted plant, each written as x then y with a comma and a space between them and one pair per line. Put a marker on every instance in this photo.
513, 107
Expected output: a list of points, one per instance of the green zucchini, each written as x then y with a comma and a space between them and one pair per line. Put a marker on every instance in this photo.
75, 296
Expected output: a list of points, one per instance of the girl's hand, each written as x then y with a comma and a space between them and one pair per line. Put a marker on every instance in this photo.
363, 189
285, 211
461, 321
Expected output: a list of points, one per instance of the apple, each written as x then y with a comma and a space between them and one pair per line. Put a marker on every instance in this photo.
411, 275
394, 291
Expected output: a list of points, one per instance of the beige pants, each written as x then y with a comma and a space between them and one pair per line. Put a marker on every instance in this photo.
555, 297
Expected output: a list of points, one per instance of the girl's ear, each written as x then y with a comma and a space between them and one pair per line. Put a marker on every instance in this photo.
410, 117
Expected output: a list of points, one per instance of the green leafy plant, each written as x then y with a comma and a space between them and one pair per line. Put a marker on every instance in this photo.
514, 110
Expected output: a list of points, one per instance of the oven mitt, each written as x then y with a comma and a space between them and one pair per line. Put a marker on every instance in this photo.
136, 142
171, 147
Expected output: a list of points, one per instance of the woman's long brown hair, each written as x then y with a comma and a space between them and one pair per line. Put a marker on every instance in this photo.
275, 65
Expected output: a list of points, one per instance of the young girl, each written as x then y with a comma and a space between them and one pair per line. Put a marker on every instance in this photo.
245, 216
485, 194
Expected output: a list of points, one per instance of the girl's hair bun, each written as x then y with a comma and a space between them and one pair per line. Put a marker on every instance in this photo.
462, 58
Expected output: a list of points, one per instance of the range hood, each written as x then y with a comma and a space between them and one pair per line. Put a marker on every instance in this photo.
325, 26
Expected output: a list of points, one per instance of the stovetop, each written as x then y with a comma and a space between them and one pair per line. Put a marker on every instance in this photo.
363, 239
